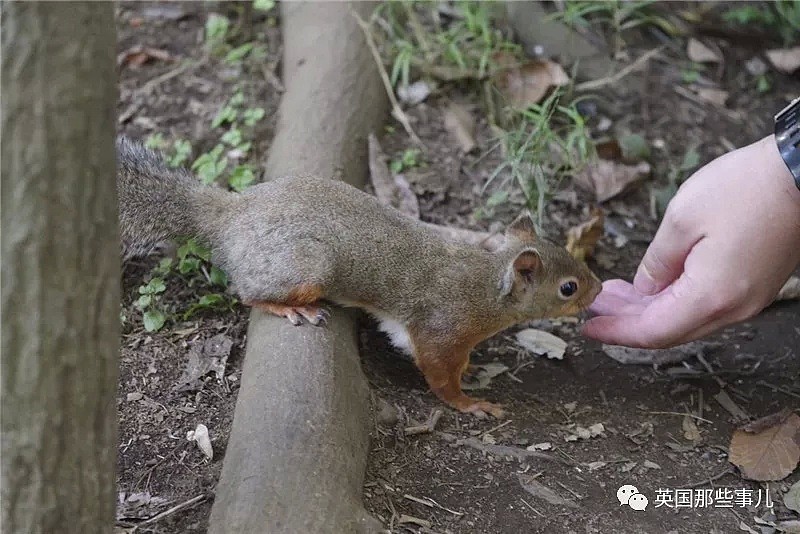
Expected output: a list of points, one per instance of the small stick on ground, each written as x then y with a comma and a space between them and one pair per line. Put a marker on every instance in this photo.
540, 514
397, 111
727, 471
614, 78
502, 450
427, 427
177, 508
686, 414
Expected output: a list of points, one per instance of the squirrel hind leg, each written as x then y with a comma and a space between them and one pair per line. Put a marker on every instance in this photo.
301, 302
442, 368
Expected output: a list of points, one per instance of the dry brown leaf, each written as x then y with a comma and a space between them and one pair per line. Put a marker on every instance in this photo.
582, 239
786, 60
528, 84
771, 454
718, 97
690, 430
608, 179
461, 125
139, 55
790, 290
700, 53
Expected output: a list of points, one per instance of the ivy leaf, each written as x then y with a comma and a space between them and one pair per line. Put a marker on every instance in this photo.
154, 320
218, 277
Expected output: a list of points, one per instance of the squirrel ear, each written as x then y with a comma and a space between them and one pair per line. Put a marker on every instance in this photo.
522, 271
523, 227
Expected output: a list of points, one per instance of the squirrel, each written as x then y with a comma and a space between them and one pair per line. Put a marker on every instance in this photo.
291, 243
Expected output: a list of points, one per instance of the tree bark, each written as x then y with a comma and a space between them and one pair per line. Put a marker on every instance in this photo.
60, 274
296, 456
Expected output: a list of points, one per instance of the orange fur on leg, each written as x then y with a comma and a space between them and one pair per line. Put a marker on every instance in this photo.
442, 368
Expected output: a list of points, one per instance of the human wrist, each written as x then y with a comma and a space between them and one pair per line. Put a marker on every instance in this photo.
777, 167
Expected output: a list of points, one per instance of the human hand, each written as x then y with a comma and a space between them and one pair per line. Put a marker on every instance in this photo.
729, 240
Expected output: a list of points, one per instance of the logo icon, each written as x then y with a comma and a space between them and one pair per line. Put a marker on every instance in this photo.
629, 495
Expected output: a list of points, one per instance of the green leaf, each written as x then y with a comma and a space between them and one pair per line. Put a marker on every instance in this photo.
232, 137
155, 141
153, 287
164, 266
218, 277
497, 198
253, 115
263, 5
216, 29
189, 265
153, 320
237, 99
211, 300
182, 149
144, 301
226, 114
634, 147
691, 159
241, 177
239, 53
763, 84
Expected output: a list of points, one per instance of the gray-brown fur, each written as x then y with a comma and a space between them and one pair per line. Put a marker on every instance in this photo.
310, 230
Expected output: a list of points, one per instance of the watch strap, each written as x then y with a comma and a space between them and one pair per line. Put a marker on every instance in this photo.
787, 136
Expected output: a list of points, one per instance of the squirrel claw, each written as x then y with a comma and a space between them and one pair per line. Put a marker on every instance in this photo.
315, 315
482, 409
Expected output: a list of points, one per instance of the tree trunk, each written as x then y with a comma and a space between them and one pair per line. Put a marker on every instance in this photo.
297, 452
60, 274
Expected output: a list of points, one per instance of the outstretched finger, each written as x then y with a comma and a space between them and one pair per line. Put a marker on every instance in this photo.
663, 262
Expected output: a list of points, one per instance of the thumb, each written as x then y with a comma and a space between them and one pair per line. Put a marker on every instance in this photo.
663, 262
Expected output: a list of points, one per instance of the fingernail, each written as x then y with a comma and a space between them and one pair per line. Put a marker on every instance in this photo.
643, 282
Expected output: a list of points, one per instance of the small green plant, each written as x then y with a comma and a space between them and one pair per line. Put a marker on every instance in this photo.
549, 142
210, 166
763, 84
616, 16
155, 141
181, 150
409, 159
153, 316
462, 46
781, 16
263, 5
217, 27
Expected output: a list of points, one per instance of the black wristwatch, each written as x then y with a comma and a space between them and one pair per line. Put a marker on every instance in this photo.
787, 135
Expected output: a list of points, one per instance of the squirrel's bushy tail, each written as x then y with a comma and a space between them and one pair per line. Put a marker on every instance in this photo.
157, 203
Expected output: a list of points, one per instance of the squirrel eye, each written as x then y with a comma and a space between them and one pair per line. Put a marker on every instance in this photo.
568, 289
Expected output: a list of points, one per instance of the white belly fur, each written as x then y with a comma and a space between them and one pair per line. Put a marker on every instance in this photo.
397, 332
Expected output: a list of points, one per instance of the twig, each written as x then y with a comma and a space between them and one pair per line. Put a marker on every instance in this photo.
427, 501
773, 387
177, 508
540, 514
502, 450
397, 111
158, 80
683, 415
728, 470
501, 425
704, 363
426, 428
596, 84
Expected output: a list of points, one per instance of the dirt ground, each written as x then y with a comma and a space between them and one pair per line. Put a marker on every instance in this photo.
455, 479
